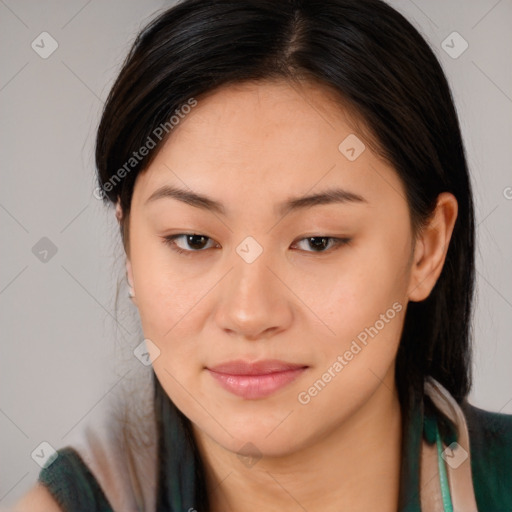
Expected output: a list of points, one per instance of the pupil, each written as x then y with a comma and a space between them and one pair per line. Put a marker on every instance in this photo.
323, 242
193, 240
316, 242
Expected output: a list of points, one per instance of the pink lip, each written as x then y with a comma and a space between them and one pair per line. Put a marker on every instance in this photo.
255, 380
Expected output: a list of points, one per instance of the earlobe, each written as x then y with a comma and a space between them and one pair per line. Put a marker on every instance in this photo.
431, 248
119, 211
129, 278
129, 273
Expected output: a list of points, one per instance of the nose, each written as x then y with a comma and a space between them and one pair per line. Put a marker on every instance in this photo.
254, 303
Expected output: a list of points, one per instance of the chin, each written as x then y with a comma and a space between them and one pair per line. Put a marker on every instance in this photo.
255, 445
256, 436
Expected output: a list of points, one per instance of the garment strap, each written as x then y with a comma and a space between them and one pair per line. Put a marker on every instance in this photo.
443, 479
454, 459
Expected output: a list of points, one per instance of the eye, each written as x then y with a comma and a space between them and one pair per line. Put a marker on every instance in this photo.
193, 242
321, 243
199, 243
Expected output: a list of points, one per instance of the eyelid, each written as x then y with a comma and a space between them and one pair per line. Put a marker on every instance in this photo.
169, 240
337, 242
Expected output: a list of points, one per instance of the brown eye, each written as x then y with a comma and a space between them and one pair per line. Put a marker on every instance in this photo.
189, 242
322, 244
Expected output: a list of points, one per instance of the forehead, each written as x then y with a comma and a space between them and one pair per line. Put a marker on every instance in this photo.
267, 140
267, 114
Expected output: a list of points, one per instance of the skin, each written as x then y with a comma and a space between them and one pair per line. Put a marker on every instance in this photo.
251, 147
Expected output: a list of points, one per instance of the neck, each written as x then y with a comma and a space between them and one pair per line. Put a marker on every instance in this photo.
356, 467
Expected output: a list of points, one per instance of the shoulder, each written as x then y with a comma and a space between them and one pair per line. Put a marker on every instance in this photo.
490, 436
489, 430
38, 499
65, 485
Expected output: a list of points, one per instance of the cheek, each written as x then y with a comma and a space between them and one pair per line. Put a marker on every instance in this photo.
352, 293
166, 289
366, 309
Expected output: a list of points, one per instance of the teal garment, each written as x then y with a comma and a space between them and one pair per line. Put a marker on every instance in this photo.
72, 484
76, 490
490, 437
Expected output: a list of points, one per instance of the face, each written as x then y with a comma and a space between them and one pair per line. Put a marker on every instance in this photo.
313, 292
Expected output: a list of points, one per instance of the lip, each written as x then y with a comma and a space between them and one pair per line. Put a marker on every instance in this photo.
255, 380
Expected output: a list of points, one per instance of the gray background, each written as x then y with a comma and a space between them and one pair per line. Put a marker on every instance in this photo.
64, 350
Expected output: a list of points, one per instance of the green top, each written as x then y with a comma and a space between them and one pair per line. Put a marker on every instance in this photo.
75, 488
72, 485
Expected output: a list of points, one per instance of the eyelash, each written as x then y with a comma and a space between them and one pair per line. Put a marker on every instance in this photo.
169, 241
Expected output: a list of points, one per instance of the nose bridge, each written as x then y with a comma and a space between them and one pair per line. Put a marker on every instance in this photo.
251, 275
252, 302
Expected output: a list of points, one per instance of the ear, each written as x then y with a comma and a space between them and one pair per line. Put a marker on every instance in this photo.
129, 272
431, 247
119, 210
129, 276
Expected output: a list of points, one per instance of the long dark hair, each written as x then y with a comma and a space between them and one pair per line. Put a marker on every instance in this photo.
380, 66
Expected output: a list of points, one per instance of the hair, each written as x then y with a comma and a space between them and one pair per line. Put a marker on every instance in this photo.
380, 67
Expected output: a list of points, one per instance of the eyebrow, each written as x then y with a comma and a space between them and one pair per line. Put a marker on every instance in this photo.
329, 196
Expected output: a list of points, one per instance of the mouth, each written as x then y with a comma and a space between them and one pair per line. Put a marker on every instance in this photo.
256, 380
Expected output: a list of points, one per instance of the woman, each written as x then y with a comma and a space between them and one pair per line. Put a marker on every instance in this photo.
295, 205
